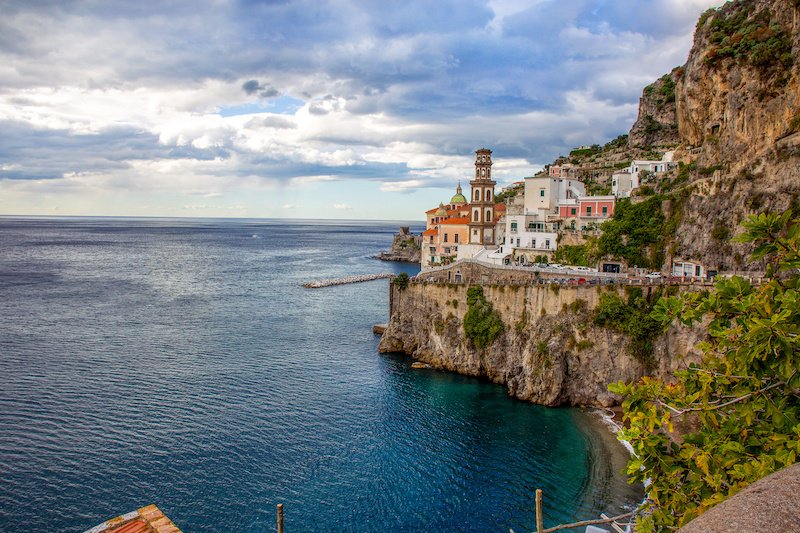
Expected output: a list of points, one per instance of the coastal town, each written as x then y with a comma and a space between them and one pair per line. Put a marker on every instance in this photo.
524, 225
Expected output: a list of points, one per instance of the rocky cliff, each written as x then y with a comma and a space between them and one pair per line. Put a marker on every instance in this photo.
405, 247
549, 353
657, 123
737, 108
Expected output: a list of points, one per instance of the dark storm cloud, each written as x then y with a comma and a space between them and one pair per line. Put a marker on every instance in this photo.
264, 91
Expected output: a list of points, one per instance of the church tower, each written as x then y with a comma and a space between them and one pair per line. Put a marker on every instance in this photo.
482, 221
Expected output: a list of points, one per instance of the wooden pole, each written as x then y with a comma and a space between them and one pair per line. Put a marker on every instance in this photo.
539, 519
280, 518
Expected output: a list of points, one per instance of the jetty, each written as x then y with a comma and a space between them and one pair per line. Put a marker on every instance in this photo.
344, 281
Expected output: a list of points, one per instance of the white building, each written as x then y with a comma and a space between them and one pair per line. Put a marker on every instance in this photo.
542, 194
626, 181
622, 183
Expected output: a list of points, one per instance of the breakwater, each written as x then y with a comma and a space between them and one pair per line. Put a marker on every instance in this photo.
344, 281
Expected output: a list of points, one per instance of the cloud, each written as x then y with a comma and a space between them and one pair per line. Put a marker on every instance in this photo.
264, 91
111, 97
342, 206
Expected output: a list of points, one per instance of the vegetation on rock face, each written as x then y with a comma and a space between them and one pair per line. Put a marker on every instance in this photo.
510, 192
638, 232
737, 33
482, 324
663, 91
632, 318
742, 405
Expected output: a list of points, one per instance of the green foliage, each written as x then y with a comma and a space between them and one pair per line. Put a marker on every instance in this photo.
585, 152
739, 34
509, 192
401, 281
743, 403
632, 318
637, 233
571, 255
720, 231
652, 125
707, 171
482, 324
619, 142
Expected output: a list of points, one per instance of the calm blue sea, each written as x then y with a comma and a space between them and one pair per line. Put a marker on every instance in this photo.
180, 362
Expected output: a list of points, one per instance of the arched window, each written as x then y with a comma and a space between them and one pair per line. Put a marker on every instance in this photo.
488, 196
488, 215
477, 195
475, 215
483, 172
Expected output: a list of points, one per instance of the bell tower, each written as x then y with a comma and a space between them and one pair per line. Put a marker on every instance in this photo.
482, 216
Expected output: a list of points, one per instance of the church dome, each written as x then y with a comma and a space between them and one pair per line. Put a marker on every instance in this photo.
458, 197
441, 212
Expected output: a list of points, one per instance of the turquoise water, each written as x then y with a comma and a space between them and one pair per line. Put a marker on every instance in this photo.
180, 362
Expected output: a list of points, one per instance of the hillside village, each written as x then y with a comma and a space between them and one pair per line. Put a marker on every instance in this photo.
716, 140
530, 220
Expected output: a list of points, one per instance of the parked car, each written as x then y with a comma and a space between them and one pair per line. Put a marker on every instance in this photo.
654, 275
556, 266
583, 269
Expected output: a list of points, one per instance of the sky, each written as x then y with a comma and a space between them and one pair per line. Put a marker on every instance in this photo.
310, 108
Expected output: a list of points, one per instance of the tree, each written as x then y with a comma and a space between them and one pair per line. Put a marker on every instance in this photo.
401, 281
742, 404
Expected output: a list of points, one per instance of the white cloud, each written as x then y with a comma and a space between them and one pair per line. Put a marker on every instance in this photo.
102, 101
342, 206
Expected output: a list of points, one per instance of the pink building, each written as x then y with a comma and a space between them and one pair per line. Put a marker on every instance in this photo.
587, 208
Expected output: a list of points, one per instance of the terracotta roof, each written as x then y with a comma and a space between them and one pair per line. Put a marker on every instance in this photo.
456, 220
429, 211
430, 232
148, 519
454, 212
499, 207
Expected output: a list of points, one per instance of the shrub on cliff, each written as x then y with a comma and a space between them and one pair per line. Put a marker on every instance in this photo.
743, 403
482, 324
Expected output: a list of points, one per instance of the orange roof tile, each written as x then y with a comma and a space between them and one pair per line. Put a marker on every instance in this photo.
499, 207
456, 220
430, 232
145, 520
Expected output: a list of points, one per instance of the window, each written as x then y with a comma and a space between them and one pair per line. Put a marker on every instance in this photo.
588, 210
483, 172
547, 243
573, 211
475, 215
541, 193
488, 215
488, 196
513, 227
445, 237
455, 238
477, 195
605, 210
431, 238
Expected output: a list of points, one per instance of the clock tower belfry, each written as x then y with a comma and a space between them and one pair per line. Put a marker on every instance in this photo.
482, 215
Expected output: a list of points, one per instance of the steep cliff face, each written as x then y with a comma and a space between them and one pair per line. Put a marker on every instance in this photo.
737, 102
549, 353
739, 92
657, 123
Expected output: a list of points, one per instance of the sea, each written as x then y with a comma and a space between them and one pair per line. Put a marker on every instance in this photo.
180, 362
